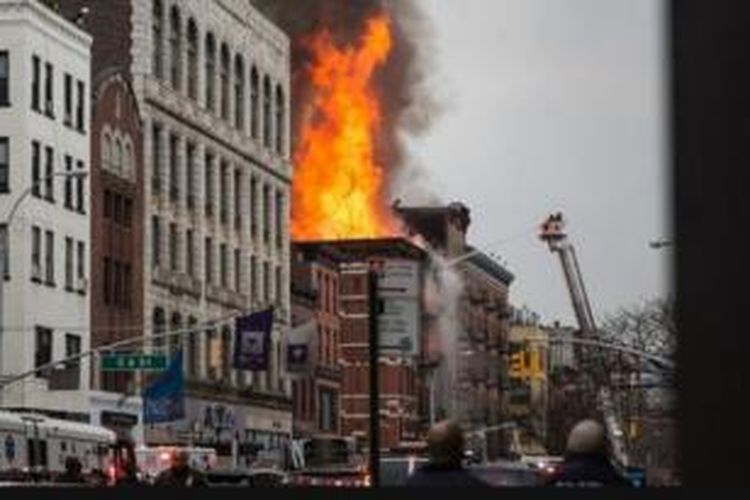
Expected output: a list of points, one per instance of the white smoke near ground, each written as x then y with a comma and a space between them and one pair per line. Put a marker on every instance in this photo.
442, 293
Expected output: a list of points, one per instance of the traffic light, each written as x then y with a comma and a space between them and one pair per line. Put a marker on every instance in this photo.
517, 365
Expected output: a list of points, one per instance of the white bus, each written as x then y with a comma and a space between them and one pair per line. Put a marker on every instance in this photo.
37, 443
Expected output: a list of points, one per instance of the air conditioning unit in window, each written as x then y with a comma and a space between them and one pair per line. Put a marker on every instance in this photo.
82, 284
36, 272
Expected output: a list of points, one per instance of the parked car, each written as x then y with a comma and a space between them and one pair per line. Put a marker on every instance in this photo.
395, 471
248, 478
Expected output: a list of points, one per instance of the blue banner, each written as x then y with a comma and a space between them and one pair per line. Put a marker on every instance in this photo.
163, 401
252, 341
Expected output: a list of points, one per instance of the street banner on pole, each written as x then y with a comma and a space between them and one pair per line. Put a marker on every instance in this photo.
301, 347
252, 342
163, 401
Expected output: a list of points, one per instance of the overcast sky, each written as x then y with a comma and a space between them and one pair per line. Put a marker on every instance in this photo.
555, 105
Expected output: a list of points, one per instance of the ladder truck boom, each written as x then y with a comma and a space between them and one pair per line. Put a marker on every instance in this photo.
553, 233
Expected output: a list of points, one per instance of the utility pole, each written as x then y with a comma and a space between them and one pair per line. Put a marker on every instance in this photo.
374, 379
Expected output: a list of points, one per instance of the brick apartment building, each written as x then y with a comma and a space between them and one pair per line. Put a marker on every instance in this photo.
116, 243
315, 296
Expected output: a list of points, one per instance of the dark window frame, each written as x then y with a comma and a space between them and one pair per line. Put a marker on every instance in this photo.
5, 166
5, 79
43, 349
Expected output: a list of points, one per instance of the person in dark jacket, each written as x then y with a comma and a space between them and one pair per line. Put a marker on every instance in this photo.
445, 446
73, 472
586, 463
180, 474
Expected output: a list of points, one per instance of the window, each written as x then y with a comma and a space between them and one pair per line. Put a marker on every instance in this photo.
127, 158
253, 279
192, 348
210, 71
49, 180
279, 287
209, 261
267, 112
6, 254
280, 119
117, 156
117, 208
49, 250
72, 348
173, 250
68, 182
239, 93
4, 165
68, 114
209, 184
328, 411
266, 214
279, 220
106, 150
189, 257
49, 90
226, 351
81, 106
254, 102
192, 55
253, 208
117, 274
128, 287
156, 158
36, 254
79, 187
190, 167
43, 350
155, 241
174, 173
175, 46
267, 282
237, 270
237, 192
224, 82
4, 79
223, 265
127, 212
223, 173
107, 280
81, 265
69, 264
36, 172
157, 55
36, 69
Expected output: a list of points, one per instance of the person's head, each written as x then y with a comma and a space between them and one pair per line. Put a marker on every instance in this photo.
180, 459
587, 438
445, 443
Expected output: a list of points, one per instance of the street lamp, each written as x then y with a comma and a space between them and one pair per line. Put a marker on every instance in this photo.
80, 174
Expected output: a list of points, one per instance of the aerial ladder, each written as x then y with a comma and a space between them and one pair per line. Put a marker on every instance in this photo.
553, 233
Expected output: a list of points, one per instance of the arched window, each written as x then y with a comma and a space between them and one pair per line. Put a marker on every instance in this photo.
239, 93
175, 47
127, 158
159, 324
106, 150
210, 71
280, 120
117, 156
175, 340
157, 55
254, 102
267, 111
192, 73
224, 81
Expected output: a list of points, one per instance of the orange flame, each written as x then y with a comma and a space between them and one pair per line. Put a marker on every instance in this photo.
338, 186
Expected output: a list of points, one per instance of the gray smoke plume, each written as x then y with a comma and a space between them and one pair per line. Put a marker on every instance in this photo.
402, 84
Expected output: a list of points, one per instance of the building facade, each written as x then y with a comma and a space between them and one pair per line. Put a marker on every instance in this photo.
315, 291
467, 327
117, 187
44, 140
212, 82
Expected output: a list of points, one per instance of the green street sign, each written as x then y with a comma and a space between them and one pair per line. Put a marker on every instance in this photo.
133, 362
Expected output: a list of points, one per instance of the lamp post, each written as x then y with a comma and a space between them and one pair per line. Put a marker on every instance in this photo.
6, 238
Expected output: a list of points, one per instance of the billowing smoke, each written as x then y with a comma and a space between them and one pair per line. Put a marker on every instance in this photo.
402, 85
